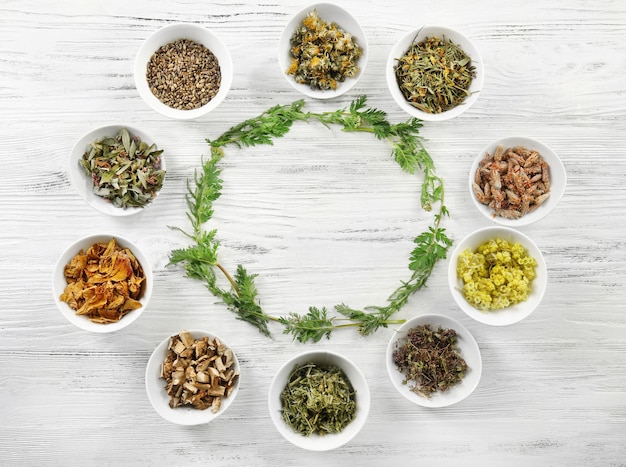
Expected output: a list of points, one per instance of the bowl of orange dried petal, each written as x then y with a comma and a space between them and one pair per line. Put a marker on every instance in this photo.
102, 283
516, 181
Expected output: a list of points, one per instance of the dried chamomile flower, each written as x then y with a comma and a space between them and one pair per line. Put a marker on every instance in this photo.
323, 55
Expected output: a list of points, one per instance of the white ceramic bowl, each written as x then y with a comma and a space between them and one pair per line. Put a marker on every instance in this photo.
82, 181
558, 180
171, 33
316, 442
59, 283
157, 394
468, 349
514, 313
345, 21
400, 48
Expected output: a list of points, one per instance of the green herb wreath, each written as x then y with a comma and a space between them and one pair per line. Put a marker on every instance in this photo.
200, 260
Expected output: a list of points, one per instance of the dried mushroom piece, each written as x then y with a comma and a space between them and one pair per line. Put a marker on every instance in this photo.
104, 283
199, 373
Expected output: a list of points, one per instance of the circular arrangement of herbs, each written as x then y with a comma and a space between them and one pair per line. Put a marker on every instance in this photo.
238, 290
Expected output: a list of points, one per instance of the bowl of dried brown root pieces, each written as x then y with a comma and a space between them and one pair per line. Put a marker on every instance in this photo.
433, 361
516, 181
192, 377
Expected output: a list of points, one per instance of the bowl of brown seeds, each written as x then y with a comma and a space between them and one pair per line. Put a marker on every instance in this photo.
183, 71
516, 181
434, 73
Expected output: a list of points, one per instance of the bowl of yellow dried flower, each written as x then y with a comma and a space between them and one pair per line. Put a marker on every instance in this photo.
102, 283
322, 51
497, 275
435, 73
183, 71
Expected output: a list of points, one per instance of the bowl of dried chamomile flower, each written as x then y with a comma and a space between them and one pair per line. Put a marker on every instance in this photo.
102, 283
322, 51
192, 377
433, 361
183, 71
117, 169
435, 73
516, 181
319, 400
497, 275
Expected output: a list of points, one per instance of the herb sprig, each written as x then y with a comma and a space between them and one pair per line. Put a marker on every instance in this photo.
200, 260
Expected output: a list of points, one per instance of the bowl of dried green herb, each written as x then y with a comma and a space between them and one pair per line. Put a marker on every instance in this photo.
183, 71
319, 400
117, 169
435, 73
322, 51
433, 361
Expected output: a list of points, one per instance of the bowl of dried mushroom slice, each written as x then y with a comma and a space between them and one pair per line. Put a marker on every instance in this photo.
433, 361
183, 71
322, 51
417, 63
192, 377
102, 283
117, 169
319, 400
516, 181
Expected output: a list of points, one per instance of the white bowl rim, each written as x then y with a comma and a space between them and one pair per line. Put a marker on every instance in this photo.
466, 342
469, 48
158, 396
514, 313
329, 441
194, 32
58, 280
557, 188
81, 181
325, 10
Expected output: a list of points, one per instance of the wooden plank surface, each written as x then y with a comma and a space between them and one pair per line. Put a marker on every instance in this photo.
323, 217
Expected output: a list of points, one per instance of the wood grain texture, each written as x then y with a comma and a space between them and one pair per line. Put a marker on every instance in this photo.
323, 218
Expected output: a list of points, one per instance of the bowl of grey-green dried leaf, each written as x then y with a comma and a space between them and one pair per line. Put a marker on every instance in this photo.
117, 169
183, 71
319, 400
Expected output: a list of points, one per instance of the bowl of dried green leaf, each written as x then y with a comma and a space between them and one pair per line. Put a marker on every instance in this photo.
319, 400
117, 169
183, 71
433, 361
435, 73
322, 51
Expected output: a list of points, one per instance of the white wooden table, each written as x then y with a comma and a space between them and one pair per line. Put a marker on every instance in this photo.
323, 218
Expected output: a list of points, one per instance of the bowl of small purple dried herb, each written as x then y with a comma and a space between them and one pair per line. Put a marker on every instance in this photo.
117, 169
183, 71
433, 361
